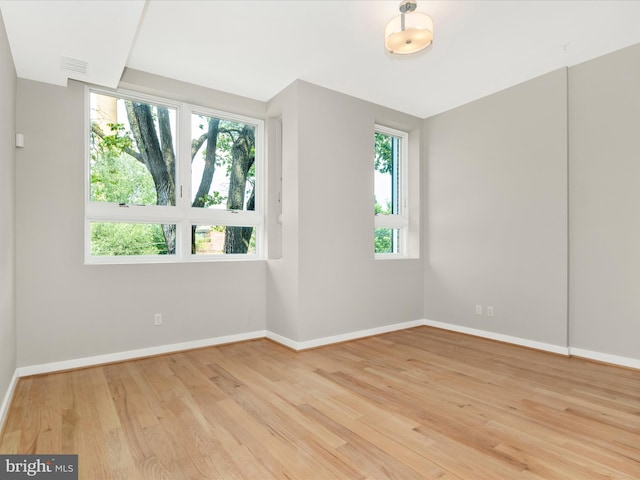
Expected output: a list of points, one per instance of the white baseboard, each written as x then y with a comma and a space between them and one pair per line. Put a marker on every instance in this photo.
208, 342
298, 346
286, 341
605, 357
6, 401
547, 347
132, 354
344, 337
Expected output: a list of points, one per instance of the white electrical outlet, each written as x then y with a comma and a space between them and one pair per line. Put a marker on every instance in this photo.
489, 311
157, 319
478, 309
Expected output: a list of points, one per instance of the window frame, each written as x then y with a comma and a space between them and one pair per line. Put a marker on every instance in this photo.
183, 215
398, 220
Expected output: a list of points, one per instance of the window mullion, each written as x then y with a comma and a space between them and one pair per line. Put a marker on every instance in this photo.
391, 221
133, 213
184, 187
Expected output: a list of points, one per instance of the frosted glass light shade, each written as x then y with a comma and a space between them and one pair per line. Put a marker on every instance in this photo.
416, 35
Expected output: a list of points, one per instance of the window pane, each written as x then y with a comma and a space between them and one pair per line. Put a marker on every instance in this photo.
119, 238
387, 240
386, 175
223, 164
220, 240
132, 152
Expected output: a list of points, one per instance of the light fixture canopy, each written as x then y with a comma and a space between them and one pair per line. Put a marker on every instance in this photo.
410, 31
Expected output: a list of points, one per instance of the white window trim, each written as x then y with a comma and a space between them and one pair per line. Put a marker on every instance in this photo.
182, 214
398, 221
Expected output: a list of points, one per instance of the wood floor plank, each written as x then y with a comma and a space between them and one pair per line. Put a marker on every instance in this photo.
418, 403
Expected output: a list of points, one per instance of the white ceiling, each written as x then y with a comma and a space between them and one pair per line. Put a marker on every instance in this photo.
257, 48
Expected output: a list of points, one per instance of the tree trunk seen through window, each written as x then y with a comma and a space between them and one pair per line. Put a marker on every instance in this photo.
237, 238
157, 154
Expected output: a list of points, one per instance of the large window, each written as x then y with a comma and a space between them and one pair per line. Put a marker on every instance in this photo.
171, 182
390, 189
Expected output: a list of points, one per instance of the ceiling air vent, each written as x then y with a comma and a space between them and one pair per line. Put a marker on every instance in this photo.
74, 65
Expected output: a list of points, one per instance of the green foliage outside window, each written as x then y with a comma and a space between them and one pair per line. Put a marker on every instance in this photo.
383, 240
116, 239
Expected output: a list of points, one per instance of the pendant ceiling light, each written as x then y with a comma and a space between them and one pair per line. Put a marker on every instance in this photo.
410, 31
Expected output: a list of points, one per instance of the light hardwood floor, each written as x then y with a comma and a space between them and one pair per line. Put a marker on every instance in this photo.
418, 403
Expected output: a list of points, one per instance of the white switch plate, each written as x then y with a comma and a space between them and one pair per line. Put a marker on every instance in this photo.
478, 309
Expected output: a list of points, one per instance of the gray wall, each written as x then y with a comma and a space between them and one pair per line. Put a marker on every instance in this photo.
283, 310
494, 206
604, 196
496, 224
506, 222
342, 287
322, 281
7, 214
327, 281
67, 310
